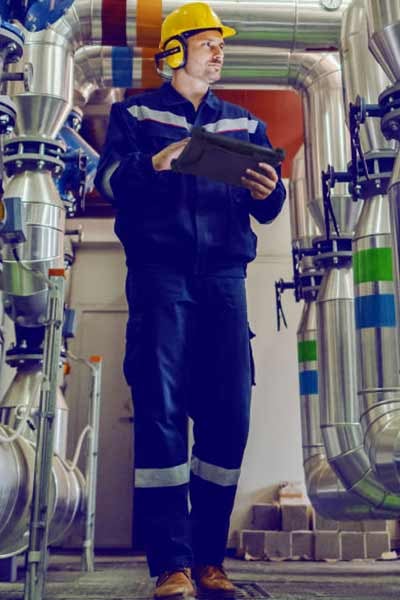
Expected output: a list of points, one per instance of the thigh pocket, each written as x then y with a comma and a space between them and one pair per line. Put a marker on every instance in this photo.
252, 365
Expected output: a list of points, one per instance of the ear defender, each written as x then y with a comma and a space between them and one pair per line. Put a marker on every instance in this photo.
174, 53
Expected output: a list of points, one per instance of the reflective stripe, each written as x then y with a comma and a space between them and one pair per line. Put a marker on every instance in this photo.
168, 477
143, 113
215, 474
238, 124
107, 177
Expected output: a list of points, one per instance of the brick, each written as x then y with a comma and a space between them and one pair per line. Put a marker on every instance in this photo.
375, 525
352, 544
295, 517
320, 523
327, 545
377, 542
303, 545
277, 545
267, 516
350, 526
252, 543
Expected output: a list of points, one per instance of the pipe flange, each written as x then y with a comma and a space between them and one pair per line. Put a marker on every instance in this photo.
33, 154
310, 284
380, 166
389, 102
11, 42
334, 251
8, 115
16, 359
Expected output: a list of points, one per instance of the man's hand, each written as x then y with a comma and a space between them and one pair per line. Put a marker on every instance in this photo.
162, 160
260, 185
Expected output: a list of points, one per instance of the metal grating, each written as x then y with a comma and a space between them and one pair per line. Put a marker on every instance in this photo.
250, 589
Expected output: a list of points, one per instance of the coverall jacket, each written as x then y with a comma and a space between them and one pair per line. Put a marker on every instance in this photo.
187, 241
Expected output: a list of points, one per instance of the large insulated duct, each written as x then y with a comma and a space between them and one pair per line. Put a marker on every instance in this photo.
378, 366
290, 24
17, 460
31, 159
384, 38
328, 495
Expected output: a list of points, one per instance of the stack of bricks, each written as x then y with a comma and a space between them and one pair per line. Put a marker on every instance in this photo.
296, 532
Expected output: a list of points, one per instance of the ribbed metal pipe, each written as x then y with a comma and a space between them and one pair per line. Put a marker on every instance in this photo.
291, 24
17, 461
340, 416
378, 364
327, 494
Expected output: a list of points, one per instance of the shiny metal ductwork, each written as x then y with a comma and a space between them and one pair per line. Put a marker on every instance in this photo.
291, 24
31, 159
326, 490
21, 401
17, 460
377, 343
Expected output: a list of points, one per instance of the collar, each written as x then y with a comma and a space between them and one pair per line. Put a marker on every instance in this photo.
171, 96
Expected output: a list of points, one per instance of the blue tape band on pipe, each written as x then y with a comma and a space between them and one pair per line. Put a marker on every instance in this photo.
376, 310
122, 66
308, 382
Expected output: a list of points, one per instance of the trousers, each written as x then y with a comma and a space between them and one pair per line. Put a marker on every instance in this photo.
187, 355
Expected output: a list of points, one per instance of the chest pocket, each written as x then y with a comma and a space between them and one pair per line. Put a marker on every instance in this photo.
157, 136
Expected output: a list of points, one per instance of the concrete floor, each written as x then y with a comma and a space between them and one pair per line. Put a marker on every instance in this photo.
124, 578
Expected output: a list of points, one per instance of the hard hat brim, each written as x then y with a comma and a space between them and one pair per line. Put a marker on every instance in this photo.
225, 30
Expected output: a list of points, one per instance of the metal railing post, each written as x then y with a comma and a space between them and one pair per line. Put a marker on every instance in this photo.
36, 558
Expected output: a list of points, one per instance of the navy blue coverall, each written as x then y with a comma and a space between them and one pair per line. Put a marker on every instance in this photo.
187, 241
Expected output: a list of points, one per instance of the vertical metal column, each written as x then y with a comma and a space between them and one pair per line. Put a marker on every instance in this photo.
91, 464
36, 559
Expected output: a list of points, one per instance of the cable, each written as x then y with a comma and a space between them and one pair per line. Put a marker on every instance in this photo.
74, 463
24, 419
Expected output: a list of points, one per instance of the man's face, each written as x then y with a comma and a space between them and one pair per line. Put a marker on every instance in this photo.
205, 56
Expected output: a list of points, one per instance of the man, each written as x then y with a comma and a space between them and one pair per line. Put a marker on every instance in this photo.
187, 241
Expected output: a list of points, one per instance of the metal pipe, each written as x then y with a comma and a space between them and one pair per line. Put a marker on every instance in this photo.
384, 35
26, 384
325, 489
340, 416
296, 25
327, 494
378, 364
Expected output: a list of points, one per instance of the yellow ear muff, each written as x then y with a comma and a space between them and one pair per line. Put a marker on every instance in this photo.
178, 59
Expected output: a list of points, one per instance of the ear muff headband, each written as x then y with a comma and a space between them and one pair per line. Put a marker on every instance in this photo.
174, 53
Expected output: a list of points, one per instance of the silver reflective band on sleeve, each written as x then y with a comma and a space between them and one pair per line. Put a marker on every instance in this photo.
144, 113
214, 474
107, 177
167, 477
238, 124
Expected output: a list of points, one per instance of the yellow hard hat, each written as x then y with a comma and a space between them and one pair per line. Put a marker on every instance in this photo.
191, 17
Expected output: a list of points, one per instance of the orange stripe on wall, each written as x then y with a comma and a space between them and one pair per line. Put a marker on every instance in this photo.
148, 23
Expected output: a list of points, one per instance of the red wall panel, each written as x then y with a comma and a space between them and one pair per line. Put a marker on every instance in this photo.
281, 110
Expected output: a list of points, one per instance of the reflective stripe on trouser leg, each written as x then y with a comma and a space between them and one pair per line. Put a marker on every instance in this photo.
154, 364
221, 407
